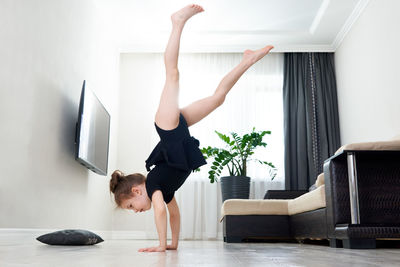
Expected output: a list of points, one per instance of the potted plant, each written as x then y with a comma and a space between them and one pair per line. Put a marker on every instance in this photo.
235, 157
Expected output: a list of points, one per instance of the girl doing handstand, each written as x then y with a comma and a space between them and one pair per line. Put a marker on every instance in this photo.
177, 153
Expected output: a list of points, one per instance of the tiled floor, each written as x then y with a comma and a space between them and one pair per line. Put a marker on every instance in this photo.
26, 251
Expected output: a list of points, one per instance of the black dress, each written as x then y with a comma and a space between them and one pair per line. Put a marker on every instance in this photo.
175, 157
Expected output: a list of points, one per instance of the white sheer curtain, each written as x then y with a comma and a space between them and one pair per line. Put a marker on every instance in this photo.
255, 101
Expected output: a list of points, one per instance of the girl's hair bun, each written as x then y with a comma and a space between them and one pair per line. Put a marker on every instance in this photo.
121, 185
116, 177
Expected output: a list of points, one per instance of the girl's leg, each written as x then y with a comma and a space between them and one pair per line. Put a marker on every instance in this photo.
196, 111
167, 115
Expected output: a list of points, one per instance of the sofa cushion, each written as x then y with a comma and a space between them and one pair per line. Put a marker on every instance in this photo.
255, 207
320, 180
393, 144
284, 194
311, 201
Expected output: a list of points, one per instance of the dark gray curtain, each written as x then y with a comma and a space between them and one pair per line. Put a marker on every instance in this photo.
311, 120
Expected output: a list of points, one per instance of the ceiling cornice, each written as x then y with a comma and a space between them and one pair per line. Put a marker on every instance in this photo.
349, 23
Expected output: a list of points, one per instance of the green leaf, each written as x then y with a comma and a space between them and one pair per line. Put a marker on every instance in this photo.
225, 162
225, 138
269, 164
237, 152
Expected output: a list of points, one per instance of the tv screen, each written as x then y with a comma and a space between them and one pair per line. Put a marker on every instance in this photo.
92, 133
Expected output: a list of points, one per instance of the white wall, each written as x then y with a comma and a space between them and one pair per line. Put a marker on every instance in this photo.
47, 49
137, 108
368, 77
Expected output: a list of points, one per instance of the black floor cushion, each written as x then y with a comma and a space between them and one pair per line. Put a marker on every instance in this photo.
72, 237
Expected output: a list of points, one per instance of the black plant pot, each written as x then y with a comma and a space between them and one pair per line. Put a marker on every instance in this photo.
235, 187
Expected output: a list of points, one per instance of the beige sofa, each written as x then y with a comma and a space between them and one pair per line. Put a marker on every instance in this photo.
307, 202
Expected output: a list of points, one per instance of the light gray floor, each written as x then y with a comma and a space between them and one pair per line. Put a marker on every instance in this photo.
26, 251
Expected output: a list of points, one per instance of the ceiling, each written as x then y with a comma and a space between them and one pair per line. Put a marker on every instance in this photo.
236, 25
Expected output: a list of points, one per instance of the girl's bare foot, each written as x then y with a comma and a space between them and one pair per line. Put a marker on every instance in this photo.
250, 56
181, 16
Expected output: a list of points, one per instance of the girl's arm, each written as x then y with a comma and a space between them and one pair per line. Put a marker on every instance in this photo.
174, 221
160, 215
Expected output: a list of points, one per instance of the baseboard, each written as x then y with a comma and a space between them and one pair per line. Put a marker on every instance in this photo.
4, 232
106, 235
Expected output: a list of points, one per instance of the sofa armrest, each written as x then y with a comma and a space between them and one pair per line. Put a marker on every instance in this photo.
375, 198
284, 194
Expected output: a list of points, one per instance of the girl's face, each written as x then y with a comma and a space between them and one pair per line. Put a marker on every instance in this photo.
139, 202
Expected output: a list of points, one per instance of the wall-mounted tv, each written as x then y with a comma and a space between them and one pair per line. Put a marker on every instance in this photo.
92, 133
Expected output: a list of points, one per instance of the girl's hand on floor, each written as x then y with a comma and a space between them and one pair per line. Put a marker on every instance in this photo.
152, 249
172, 247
